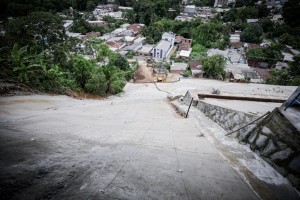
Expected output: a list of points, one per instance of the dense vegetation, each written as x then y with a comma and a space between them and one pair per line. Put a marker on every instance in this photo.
37, 53
214, 66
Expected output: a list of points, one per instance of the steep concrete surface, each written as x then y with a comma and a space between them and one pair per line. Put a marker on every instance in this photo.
261, 176
133, 146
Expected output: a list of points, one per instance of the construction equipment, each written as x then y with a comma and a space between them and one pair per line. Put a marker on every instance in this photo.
162, 74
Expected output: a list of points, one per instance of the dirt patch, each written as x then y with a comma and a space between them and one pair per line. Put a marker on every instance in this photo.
144, 74
11, 88
84, 95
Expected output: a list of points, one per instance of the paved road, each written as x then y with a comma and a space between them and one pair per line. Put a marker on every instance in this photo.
129, 147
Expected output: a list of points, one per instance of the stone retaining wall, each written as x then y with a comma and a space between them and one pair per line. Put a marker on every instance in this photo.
274, 138
278, 142
229, 120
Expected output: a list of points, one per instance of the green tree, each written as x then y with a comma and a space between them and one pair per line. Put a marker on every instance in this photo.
97, 83
230, 15
213, 66
130, 16
82, 69
206, 34
270, 54
39, 29
289, 76
23, 63
247, 13
266, 24
81, 26
119, 61
290, 13
255, 55
263, 11
252, 34
90, 5
115, 79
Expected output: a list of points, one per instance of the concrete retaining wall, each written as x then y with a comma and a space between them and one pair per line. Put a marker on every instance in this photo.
274, 138
278, 142
229, 120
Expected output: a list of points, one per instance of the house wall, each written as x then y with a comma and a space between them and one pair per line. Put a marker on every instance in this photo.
159, 54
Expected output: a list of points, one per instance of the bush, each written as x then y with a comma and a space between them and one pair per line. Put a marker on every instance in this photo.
97, 83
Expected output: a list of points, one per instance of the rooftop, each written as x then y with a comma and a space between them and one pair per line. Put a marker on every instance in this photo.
195, 64
184, 53
178, 66
164, 45
146, 49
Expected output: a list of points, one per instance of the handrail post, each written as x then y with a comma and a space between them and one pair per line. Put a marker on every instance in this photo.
189, 108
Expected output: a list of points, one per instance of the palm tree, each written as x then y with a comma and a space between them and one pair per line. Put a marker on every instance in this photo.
115, 79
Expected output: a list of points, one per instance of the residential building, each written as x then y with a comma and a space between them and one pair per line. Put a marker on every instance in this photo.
287, 57
105, 37
190, 9
235, 75
136, 28
234, 38
196, 68
178, 68
195, 64
161, 50
184, 54
252, 20
98, 23
205, 13
134, 47
146, 50
252, 76
277, 18
281, 65
185, 47
125, 8
263, 73
114, 46
169, 36
93, 34
68, 24
183, 18
115, 39
164, 47
220, 3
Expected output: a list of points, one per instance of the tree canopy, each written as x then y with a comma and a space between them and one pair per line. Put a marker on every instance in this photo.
290, 13
289, 76
40, 29
213, 66
252, 33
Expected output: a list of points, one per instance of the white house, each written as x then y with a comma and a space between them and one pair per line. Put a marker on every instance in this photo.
190, 9
164, 47
169, 36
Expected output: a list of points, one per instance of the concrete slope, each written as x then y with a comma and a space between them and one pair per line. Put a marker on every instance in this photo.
133, 146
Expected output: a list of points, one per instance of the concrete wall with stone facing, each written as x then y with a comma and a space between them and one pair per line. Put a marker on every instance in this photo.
274, 138
229, 120
278, 142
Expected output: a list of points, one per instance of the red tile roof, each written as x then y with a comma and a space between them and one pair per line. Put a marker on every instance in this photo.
184, 46
264, 73
195, 64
